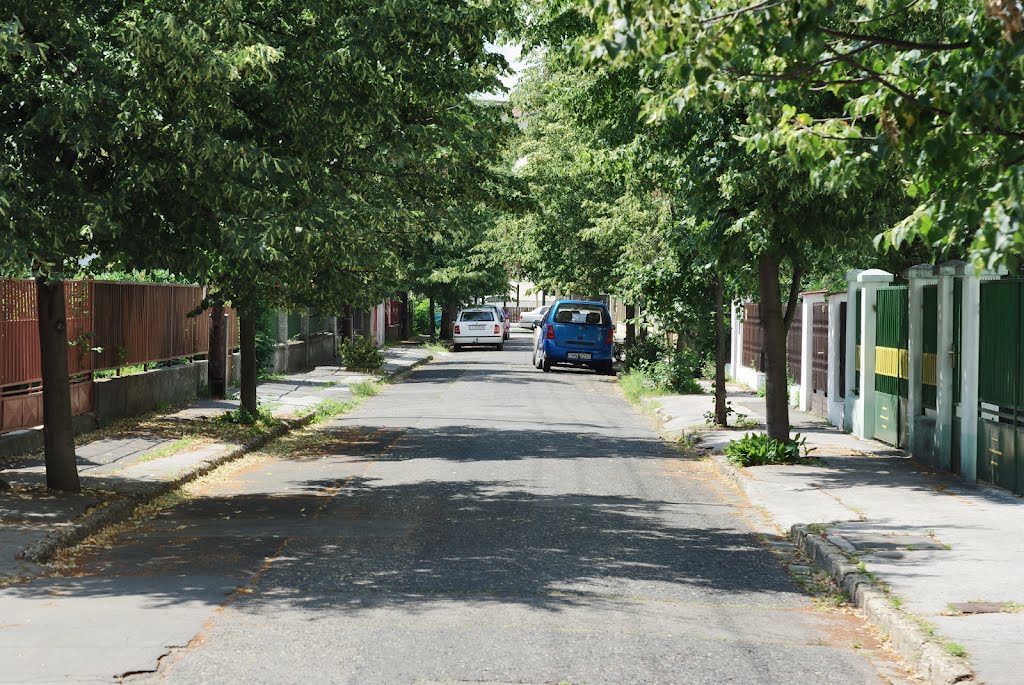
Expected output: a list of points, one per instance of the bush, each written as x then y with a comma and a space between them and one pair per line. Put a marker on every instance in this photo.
421, 318
362, 353
644, 352
675, 372
757, 449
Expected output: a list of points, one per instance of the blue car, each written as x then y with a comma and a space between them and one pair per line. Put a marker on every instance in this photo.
575, 333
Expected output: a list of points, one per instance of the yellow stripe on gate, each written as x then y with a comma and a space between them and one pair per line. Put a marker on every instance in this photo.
892, 361
931, 369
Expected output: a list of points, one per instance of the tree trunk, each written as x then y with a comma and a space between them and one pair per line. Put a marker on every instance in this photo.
773, 324
58, 432
630, 325
447, 319
721, 414
247, 342
217, 368
406, 332
433, 325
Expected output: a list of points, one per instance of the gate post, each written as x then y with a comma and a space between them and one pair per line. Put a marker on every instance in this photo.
918, 276
970, 343
807, 346
945, 404
851, 401
864, 414
836, 350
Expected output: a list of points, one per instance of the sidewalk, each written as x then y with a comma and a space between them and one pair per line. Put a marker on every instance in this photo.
140, 459
952, 554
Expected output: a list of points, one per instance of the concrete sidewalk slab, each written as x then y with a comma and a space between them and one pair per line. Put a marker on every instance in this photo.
933, 540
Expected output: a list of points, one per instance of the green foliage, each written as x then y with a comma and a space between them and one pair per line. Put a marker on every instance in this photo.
638, 384
758, 449
266, 335
675, 372
326, 409
645, 351
365, 388
421, 318
261, 417
361, 353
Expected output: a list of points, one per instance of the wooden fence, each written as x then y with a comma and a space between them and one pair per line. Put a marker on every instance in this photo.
110, 324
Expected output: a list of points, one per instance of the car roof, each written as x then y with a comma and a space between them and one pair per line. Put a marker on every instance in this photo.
599, 304
480, 308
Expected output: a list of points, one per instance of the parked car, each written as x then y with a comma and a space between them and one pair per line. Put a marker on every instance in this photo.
531, 318
575, 333
503, 317
478, 326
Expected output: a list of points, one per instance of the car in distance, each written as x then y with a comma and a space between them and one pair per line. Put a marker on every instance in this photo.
478, 326
531, 318
575, 333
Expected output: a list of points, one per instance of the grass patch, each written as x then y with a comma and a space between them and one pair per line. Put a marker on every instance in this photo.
173, 448
955, 649
365, 388
270, 377
637, 385
326, 409
435, 347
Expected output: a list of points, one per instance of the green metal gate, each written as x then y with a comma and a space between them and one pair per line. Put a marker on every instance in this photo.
892, 368
1000, 395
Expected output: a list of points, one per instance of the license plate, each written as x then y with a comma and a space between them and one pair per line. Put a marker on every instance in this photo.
578, 355
477, 327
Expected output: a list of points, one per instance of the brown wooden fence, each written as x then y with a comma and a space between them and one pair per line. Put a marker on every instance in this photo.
794, 345
133, 323
753, 337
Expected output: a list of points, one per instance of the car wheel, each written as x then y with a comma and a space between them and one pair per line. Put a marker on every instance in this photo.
545, 366
500, 346
456, 348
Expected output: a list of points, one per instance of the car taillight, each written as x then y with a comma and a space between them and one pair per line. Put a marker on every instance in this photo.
497, 328
550, 335
610, 338
457, 331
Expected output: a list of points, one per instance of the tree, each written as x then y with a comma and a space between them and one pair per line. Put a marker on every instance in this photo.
928, 90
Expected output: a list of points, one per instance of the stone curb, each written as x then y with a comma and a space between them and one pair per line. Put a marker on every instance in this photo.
122, 508
908, 639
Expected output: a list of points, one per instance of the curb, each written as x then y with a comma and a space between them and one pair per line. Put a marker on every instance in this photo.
904, 631
121, 509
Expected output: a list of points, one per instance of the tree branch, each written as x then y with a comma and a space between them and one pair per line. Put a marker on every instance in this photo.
794, 295
895, 42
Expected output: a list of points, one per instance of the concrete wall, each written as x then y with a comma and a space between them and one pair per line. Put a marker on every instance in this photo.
21, 442
291, 357
115, 398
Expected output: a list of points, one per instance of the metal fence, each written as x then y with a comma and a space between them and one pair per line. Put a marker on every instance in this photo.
109, 324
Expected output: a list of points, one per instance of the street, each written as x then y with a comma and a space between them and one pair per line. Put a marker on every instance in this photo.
480, 521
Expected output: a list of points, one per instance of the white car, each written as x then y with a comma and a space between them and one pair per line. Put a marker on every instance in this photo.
503, 317
531, 318
478, 326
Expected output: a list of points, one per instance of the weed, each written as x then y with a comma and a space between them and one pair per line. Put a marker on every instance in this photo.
755, 449
365, 389
169, 449
896, 601
636, 385
271, 377
435, 347
326, 409
955, 649
243, 416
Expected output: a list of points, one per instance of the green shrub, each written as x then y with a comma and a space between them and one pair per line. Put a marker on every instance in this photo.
675, 372
421, 318
362, 353
645, 351
757, 449
636, 384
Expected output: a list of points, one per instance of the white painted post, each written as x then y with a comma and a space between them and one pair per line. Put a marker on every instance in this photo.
945, 407
836, 349
807, 347
852, 399
737, 340
918, 276
871, 280
970, 334
734, 336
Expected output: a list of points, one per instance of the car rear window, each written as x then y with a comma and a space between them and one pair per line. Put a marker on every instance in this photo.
477, 316
582, 313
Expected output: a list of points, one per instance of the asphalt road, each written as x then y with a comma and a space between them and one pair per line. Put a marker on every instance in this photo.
480, 522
